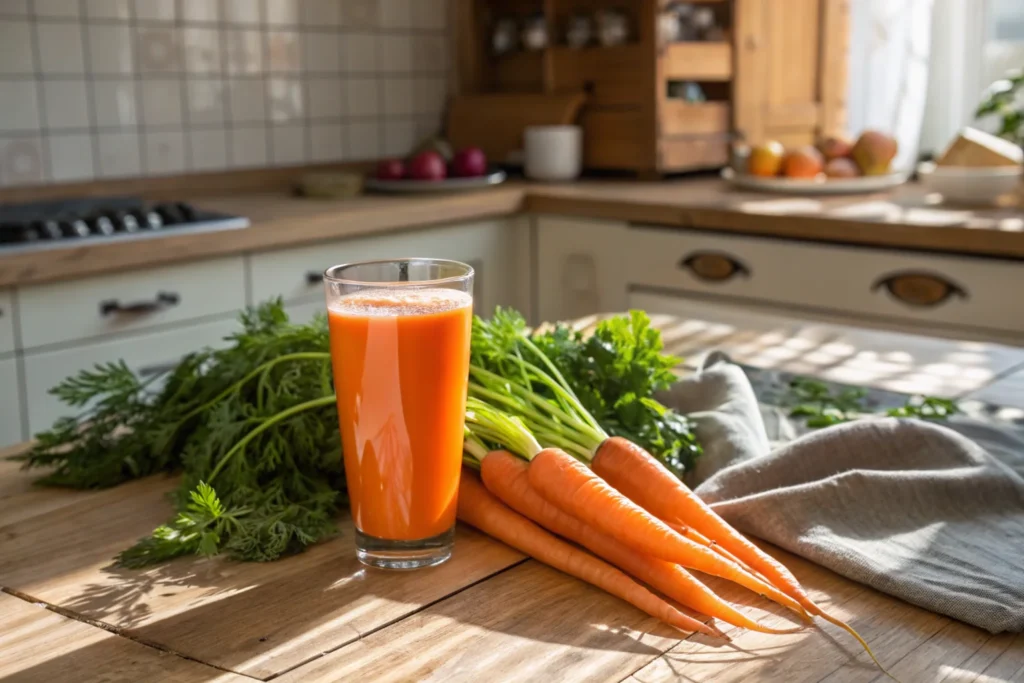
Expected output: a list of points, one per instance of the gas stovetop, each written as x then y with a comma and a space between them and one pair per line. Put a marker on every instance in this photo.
73, 222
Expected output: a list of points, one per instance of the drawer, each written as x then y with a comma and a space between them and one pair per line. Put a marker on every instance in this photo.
694, 118
885, 284
142, 353
689, 152
698, 61
130, 302
296, 274
10, 404
6, 321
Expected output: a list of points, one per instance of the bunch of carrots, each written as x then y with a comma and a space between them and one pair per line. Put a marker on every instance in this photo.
551, 477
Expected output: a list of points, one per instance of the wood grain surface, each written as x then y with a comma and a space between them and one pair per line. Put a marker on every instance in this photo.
903, 218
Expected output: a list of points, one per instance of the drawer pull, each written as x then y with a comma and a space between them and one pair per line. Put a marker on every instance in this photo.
919, 289
714, 266
158, 369
162, 301
314, 277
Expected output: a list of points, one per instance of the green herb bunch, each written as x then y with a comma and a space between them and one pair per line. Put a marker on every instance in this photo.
820, 406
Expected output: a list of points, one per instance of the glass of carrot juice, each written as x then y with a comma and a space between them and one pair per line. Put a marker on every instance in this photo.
400, 333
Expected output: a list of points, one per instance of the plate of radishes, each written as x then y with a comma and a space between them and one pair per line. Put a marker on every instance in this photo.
835, 166
429, 171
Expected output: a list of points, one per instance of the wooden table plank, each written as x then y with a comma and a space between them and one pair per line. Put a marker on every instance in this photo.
257, 619
38, 644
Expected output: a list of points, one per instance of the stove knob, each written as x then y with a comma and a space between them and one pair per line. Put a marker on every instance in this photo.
126, 222
74, 227
101, 225
48, 230
152, 220
170, 213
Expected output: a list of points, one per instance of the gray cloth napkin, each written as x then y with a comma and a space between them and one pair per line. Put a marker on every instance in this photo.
913, 509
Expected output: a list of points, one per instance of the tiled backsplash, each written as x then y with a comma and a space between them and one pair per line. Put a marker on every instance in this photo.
112, 88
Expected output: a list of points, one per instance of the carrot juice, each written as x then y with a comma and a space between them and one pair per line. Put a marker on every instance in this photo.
401, 361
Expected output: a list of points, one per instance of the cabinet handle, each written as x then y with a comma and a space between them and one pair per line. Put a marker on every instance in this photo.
919, 289
714, 266
314, 277
162, 301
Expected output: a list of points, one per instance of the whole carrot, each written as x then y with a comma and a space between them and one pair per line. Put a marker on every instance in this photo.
645, 481
506, 476
578, 491
480, 509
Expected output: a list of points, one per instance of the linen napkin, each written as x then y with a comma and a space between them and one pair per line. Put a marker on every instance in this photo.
911, 508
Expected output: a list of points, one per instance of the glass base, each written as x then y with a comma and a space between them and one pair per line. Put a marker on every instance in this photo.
387, 554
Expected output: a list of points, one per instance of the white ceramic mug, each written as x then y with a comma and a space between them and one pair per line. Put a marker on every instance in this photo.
553, 152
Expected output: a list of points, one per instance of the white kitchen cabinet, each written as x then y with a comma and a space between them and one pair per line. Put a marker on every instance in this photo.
132, 301
489, 246
144, 353
6, 321
10, 404
579, 267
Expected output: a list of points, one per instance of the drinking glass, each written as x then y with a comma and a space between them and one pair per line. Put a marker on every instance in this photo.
400, 332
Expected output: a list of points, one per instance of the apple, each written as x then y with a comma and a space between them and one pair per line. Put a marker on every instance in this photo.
390, 169
469, 163
428, 165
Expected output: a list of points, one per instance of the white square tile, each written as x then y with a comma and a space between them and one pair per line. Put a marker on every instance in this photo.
209, 149
20, 105
363, 139
162, 102
429, 54
60, 48
118, 154
360, 53
156, 10
114, 103
205, 99
395, 54
286, 100
325, 99
110, 48
283, 52
21, 160
71, 157
57, 9
200, 11
202, 48
326, 141
321, 13
431, 95
430, 14
247, 100
399, 138
242, 11
362, 96
360, 13
288, 144
244, 51
16, 47
248, 147
165, 151
66, 104
14, 8
158, 49
281, 12
395, 13
321, 52
398, 96
108, 9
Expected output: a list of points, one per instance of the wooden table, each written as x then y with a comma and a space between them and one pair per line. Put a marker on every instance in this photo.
487, 615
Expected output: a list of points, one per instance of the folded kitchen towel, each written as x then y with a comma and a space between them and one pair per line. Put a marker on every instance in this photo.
911, 508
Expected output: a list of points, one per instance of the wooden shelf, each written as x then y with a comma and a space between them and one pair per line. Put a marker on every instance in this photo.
698, 61
692, 118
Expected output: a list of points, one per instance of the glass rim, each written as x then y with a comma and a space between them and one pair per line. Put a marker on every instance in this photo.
469, 272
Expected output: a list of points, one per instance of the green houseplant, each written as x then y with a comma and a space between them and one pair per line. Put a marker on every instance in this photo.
1004, 100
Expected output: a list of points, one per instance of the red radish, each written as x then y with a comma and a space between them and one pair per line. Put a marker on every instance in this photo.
469, 163
391, 169
427, 165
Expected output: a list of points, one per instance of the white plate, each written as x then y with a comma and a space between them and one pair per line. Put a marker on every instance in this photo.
863, 184
446, 185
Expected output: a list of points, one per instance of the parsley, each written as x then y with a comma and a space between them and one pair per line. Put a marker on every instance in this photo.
819, 406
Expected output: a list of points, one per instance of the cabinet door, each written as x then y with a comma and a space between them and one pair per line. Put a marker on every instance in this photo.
295, 274
146, 354
10, 404
791, 61
6, 321
579, 267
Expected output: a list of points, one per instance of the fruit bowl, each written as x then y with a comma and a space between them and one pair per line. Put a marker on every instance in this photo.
969, 184
409, 185
821, 185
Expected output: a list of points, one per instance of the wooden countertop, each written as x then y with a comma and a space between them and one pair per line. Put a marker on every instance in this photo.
489, 614
904, 218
